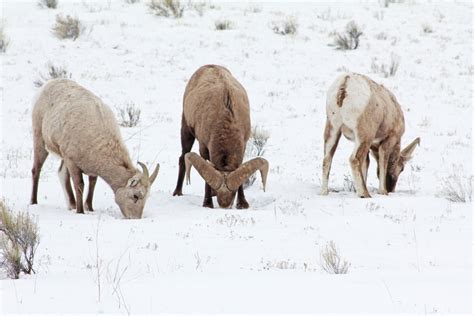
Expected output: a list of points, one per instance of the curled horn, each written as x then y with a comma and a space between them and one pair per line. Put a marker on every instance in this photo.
207, 171
236, 178
154, 174
146, 173
145, 170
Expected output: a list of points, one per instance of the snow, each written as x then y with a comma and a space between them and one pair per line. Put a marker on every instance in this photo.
410, 252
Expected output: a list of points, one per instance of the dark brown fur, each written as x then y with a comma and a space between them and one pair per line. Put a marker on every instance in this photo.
341, 94
216, 113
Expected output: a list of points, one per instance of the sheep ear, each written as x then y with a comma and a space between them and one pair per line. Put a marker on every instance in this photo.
407, 153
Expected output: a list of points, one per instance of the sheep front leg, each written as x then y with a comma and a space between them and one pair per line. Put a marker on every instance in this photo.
76, 175
241, 201
208, 191
90, 193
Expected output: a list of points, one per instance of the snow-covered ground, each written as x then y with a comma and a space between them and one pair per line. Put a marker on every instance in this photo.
410, 252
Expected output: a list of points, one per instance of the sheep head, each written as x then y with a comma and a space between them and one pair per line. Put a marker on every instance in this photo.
131, 198
395, 168
225, 183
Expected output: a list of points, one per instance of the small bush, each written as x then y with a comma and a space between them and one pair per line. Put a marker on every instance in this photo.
11, 258
67, 27
350, 39
331, 261
4, 41
285, 27
457, 187
386, 70
224, 25
381, 36
166, 8
132, 1
50, 4
427, 28
20, 240
53, 72
129, 115
348, 184
255, 148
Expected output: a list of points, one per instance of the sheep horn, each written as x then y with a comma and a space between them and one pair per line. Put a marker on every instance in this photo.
212, 177
236, 178
154, 174
145, 170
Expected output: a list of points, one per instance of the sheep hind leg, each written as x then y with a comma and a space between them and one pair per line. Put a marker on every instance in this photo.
65, 180
187, 141
208, 191
331, 139
90, 193
40, 155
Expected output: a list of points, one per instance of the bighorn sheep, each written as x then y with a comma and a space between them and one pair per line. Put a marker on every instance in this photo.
369, 115
216, 113
74, 124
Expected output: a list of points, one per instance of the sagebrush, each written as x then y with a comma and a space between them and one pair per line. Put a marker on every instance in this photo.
67, 27
255, 148
166, 8
223, 25
129, 115
4, 41
331, 261
350, 38
289, 26
457, 187
50, 4
20, 240
53, 72
387, 70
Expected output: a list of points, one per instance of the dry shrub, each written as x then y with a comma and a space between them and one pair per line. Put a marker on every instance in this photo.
50, 4
20, 239
53, 72
129, 115
166, 8
331, 261
350, 38
67, 27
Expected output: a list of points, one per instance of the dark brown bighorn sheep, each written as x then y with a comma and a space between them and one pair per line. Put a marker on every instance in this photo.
216, 112
74, 124
369, 115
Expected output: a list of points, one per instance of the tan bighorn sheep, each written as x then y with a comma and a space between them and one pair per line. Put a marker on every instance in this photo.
74, 124
370, 116
216, 112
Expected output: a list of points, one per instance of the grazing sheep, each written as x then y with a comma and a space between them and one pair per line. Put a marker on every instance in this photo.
370, 116
216, 112
74, 124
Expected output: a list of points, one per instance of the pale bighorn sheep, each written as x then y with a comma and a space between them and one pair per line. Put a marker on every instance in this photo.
368, 114
216, 112
74, 124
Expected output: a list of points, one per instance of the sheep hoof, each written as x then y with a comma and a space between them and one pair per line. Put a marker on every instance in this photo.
324, 192
88, 208
242, 205
365, 195
177, 192
383, 192
208, 204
